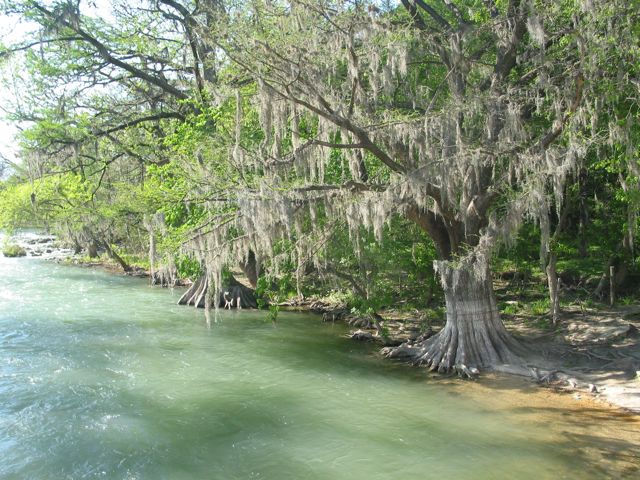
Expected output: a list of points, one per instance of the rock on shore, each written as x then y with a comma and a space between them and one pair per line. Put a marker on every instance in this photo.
30, 244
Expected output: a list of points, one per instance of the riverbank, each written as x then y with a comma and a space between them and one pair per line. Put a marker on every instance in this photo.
595, 353
48, 247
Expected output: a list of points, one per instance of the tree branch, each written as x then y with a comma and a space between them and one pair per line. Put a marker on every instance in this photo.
104, 52
138, 121
189, 23
415, 15
439, 19
506, 58
556, 131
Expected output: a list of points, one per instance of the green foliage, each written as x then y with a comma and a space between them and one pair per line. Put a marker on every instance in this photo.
196, 130
271, 289
188, 267
136, 260
628, 300
366, 306
384, 332
539, 307
13, 250
262, 292
43, 201
272, 316
267, 296
396, 272
511, 308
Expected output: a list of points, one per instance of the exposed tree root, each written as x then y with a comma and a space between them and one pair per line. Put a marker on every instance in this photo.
439, 353
474, 336
467, 343
428, 353
233, 295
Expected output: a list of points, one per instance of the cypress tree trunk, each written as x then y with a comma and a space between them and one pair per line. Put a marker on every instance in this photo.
473, 336
92, 249
250, 269
240, 295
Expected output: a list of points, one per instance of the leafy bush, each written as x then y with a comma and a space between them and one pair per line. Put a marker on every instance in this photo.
12, 250
510, 308
188, 267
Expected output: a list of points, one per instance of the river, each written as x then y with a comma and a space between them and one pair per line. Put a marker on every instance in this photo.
102, 376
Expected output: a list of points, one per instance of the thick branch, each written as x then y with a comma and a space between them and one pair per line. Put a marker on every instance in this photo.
507, 57
439, 19
104, 52
415, 16
557, 130
434, 226
189, 24
349, 278
138, 121
345, 123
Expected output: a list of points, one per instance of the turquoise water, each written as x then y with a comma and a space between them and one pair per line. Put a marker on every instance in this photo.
102, 376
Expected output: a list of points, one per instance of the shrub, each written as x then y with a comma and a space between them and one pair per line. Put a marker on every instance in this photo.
13, 250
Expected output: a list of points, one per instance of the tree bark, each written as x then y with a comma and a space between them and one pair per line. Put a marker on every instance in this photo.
239, 295
554, 291
549, 259
612, 286
115, 257
92, 249
474, 335
605, 280
152, 256
250, 269
584, 214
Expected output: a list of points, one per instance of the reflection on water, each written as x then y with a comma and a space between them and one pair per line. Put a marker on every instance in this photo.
104, 377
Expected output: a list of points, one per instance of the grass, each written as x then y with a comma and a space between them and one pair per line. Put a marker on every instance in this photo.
539, 307
511, 308
627, 300
140, 261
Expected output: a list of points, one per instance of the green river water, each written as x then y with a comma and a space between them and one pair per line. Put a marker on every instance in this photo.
102, 376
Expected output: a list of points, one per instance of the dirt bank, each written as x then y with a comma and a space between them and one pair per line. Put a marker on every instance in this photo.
594, 353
